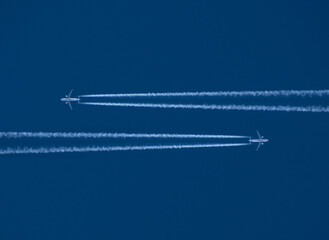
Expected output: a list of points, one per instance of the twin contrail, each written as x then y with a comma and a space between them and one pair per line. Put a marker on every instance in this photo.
46, 150
108, 135
278, 93
278, 108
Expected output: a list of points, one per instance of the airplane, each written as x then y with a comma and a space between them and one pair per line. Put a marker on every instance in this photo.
68, 99
261, 140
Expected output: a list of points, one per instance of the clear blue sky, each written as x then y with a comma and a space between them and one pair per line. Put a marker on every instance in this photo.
122, 46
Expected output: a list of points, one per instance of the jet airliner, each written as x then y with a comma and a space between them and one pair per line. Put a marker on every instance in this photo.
68, 99
260, 140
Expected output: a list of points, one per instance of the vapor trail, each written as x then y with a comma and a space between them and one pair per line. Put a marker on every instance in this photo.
216, 107
278, 93
107, 135
46, 150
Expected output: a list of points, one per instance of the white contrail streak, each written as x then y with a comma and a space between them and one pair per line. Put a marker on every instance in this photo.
46, 150
278, 93
108, 135
216, 107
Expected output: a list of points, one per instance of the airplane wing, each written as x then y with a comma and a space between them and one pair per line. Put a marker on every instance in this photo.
258, 146
259, 136
70, 93
69, 103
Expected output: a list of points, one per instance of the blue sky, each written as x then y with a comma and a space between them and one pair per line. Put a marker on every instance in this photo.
50, 47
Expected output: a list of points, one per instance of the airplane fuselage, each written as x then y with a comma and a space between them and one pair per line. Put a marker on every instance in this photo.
262, 140
70, 99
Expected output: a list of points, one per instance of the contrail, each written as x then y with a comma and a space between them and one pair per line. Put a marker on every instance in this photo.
278, 93
108, 135
46, 150
216, 107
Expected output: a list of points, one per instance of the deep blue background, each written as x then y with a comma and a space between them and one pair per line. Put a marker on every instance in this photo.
49, 47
